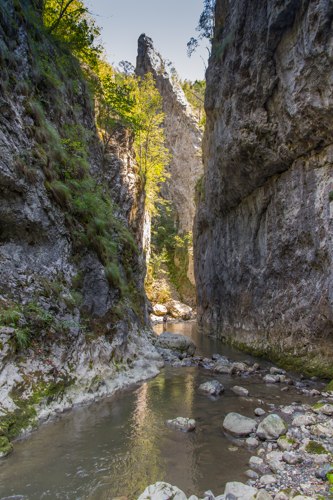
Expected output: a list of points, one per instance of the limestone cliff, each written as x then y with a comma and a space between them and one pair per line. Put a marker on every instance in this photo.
263, 238
72, 307
183, 139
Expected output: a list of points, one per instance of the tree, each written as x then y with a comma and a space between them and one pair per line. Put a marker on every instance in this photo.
151, 153
70, 22
205, 26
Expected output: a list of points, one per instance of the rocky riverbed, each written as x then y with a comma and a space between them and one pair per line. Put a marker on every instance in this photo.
292, 444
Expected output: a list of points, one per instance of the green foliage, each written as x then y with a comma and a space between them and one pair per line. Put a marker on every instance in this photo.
27, 320
205, 26
329, 386
195, 94
69, 21
330, 196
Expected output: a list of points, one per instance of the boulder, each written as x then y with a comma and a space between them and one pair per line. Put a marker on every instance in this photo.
240, 391
238, 425
160, 310
176, 342
179, 310
162, 491
272, 427
239, 491
182, 424
212, 387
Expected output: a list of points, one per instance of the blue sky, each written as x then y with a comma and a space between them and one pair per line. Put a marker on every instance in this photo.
170, 23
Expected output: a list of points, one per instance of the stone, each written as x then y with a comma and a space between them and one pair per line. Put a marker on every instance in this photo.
221, 367
162, 491
271, 379
176, 342
326, 469
212, 387
285, 443
292, 458
303, 420
159, 310
256, 463
252, 442
240, 391
326, 409
272, 427
281, 496
179, 310
239, 367
263, 495
277, 371
182, 424
239, 491
238, 425
267, 479
251, 474
259, 412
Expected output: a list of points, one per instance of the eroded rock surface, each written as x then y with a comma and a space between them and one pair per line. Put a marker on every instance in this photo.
263, 252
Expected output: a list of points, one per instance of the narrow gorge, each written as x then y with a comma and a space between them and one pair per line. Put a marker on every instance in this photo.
163, 241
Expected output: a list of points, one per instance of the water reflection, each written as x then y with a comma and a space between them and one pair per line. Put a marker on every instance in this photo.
120, 445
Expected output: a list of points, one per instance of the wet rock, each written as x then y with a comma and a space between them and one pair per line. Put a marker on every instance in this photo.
162, 491
179, 310
212, 387
239, 367
271, 379
176, 342
251, 474
239, 491
277, 371
240, 391
221, 367
259, 412
182, 424
159, 310
272, 427
238, 425
252, 442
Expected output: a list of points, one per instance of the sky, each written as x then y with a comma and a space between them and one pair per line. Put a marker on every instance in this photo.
170, 23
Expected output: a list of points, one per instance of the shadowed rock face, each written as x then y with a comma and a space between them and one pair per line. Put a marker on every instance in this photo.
263, 248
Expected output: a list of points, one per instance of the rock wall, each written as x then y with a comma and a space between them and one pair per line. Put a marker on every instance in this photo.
72, 321
263, 233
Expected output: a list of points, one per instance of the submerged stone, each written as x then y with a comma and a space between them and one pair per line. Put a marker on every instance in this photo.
182, 424
212, 387
176, 342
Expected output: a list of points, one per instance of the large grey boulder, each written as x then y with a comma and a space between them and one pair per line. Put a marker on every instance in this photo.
272, 427
179, 310
238, 425
212, 387
239, 491
162, 491
176, 342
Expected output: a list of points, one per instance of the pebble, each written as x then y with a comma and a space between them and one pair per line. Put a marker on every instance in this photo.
240, 391
259, 412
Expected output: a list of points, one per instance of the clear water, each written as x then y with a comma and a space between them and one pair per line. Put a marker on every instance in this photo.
120, 445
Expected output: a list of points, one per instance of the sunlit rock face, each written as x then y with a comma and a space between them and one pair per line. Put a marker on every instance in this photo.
263, 248
183, 138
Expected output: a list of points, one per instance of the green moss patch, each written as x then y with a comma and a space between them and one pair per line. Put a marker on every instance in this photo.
5, 446
315, 448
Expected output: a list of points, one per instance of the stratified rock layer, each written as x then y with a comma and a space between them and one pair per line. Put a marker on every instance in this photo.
263, 246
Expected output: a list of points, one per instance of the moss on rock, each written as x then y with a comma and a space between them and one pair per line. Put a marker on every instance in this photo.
6, 446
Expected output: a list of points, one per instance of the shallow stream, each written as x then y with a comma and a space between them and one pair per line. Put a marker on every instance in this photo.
120, 445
